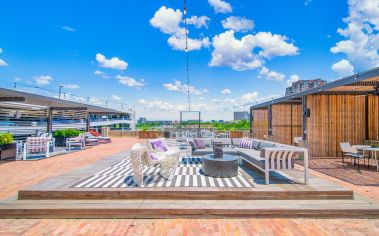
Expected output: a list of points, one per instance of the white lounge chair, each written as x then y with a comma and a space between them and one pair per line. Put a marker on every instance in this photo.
36, 146
78, 142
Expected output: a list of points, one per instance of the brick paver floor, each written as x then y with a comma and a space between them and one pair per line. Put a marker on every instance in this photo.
17, 175
197, 227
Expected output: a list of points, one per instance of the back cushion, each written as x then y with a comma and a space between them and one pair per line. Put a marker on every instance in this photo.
224, 141
266, 144
207, 142
236, 142
256, 144
193, 145
199, 143
246, 143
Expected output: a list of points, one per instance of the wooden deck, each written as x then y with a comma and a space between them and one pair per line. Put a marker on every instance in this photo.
285, 196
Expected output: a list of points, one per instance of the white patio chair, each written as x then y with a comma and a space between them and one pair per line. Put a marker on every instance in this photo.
78, 142
36, 146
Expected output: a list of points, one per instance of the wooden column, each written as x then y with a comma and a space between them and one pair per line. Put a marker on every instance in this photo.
88, 122
251, 121
49, 127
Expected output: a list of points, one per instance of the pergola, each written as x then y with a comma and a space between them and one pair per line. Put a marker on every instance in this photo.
17, 99
343, 110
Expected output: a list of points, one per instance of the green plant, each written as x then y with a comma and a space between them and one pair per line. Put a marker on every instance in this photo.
66, 133
6, 138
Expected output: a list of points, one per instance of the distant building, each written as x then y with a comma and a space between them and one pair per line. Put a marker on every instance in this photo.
241, 115
302, 85
142, 120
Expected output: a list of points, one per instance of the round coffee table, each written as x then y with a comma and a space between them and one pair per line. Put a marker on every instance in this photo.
225, 167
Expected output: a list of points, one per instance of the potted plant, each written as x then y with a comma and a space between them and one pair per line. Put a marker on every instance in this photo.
61, 136
7, 146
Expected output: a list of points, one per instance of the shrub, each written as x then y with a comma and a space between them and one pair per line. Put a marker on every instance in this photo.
6, 138
67, 133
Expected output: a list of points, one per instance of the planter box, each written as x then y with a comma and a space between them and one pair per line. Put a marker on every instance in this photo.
8, 151
149, 134
236, 134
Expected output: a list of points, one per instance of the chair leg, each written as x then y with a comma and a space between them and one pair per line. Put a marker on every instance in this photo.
358, 163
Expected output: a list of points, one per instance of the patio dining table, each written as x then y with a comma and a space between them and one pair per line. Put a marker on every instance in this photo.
368, 148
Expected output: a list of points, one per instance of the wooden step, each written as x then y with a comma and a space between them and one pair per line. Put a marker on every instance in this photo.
358, 208
96, 194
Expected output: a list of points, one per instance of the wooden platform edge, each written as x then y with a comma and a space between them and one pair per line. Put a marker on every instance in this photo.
183, 195
184, 213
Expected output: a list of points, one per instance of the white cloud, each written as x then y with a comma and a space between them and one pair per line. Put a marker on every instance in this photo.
130, 82
2, 62
362, 34
220, 6
238, 24
179, 43
42, 80
198, 21
343, 68
116, 98
274, 45
167, 20
226, 91
177, 86
71, 86
239, 54
101, 74
68, 28
265, 73
113, 63
307, 2
293, 79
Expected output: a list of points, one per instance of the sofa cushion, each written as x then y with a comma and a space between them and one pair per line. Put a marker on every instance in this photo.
193, 145
207, 142
230, 151
199, 143
252, 156
265, 144
224, 141
236, 142
256, 144
201, 152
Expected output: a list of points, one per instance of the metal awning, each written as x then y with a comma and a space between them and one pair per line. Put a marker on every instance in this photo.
364, 83
13, 97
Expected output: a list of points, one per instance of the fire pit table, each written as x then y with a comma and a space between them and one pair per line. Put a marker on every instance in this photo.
225, 166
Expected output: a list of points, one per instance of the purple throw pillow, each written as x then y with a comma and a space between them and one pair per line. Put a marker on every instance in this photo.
246, 143
153, 156
158, 145
199, 143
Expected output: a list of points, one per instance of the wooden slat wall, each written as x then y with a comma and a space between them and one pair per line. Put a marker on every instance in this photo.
334, 119
373, 117
281, 122
260, 123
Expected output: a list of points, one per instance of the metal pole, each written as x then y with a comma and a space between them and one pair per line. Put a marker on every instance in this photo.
60, 90
49, 120
88, 122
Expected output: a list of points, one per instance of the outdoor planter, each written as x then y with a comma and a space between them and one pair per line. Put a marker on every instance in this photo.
8, 151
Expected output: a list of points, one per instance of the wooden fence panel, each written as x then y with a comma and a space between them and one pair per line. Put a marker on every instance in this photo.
260, 123
286, 124
334, 119
373, 117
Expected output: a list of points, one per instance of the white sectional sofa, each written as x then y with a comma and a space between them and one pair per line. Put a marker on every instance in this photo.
264, 155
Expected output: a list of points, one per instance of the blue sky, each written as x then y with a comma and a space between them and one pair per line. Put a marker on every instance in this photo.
131, 52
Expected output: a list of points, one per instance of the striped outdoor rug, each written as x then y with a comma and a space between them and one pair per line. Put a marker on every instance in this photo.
187, 174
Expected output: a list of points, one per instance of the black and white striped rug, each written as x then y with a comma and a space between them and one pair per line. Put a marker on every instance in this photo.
187, 174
